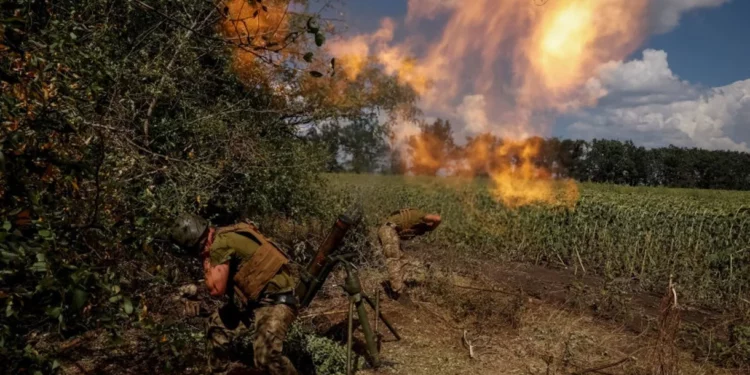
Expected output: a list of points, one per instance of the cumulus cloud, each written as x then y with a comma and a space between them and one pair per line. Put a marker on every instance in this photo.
645, 101
666, 14
646, 81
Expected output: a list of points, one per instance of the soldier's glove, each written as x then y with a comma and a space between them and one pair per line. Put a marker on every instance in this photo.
192, 308
188, 296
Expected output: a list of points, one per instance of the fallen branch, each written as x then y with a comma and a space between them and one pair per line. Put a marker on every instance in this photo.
323, 314
602, 367
484, 289
425, 306
331, 311
467, 344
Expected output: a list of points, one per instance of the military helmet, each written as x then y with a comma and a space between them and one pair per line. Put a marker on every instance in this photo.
188, 230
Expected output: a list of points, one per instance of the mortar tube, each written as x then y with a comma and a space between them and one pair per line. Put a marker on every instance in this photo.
318, 264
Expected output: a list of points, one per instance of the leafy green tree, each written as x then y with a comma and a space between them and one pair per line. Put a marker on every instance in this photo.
363, 139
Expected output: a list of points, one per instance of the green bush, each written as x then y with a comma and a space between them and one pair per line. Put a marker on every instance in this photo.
326, 356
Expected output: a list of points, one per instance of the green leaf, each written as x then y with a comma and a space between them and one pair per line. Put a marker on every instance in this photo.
127, 305
79, 299
114, 299
319, 39
308, 57
5, 255
55, 364
54, 312
38, 267
316, 74
6, 225
73, 36
45, 234
139, 221
312, 25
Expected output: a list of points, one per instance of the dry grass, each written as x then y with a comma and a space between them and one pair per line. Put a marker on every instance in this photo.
514, 334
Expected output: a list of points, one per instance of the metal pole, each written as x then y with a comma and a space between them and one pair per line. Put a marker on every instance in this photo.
349, 338
365, 323
385, 320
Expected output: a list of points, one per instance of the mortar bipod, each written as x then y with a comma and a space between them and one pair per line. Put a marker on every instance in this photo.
357, 299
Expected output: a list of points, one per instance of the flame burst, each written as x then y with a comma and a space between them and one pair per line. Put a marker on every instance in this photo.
517, 178
506, 68
257, 31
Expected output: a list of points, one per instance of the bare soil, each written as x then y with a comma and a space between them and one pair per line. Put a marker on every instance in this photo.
480, 317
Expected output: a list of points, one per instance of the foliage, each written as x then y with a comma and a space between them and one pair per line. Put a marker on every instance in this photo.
118, 115
328, 357
358, 145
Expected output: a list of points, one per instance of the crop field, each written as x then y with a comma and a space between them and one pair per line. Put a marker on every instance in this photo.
700, 238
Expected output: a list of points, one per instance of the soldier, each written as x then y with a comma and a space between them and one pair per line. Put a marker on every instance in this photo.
403, 224
255, 273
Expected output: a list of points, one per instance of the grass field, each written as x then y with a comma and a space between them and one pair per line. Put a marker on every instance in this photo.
700, 237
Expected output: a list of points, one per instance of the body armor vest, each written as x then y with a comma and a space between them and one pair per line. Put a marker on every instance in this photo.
254, 273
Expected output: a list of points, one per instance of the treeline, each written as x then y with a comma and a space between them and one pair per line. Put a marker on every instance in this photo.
622, 162
434, 151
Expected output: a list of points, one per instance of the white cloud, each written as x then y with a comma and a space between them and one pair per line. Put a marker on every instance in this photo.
472, 112
637, 82
665, 14
647, 102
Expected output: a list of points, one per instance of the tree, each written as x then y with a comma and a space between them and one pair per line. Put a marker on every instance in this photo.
432, 148
363, 139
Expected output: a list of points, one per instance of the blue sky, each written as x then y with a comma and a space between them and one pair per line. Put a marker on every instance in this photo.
702, 60
710, 46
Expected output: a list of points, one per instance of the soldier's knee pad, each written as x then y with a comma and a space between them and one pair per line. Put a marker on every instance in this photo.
267, 357
217, 338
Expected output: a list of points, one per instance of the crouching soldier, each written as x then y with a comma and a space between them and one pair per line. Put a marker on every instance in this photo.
255, 273
403, 224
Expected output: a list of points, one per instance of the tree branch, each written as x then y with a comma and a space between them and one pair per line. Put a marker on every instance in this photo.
602, 367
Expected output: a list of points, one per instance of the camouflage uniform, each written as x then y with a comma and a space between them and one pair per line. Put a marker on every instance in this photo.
267, 323
401, 225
